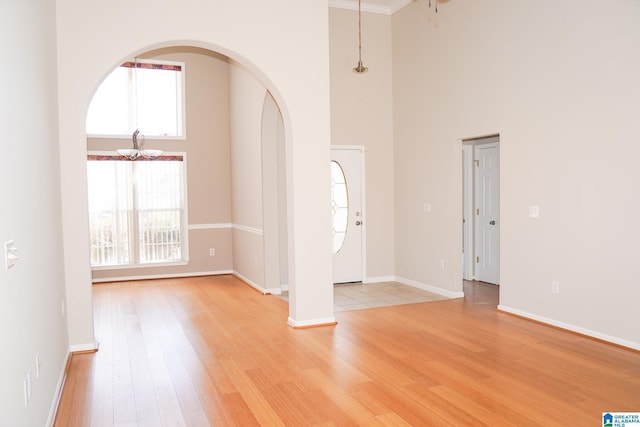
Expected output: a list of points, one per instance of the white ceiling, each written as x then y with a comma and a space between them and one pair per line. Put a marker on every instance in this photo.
386, 7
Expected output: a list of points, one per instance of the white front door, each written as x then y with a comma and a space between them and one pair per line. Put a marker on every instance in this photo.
346, 212
487, 213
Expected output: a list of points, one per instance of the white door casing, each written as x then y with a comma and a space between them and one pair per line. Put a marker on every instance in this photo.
347, 214
487, 213
468, 263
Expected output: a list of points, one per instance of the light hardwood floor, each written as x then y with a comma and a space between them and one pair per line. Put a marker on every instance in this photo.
212, 351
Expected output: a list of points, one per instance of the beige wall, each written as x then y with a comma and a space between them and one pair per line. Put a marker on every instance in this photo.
361, 114
247, 100
32, 291
560, 86
274, 191
208, 164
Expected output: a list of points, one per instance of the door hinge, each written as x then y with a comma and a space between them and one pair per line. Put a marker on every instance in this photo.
477, 211
477, 260
477, 163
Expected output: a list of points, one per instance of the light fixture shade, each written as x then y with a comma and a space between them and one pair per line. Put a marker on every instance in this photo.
129, 153
150, 154
360, 68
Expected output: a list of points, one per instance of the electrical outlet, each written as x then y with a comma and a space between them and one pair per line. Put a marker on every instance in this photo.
212, 251
441, 264
62, 307
555, 287
427, 207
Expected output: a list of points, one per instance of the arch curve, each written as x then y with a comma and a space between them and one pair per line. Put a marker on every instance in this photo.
254, 33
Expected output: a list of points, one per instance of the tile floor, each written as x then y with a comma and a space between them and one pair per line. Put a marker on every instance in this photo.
356, 296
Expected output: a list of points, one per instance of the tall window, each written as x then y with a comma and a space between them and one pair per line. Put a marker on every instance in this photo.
136, 210
143, 94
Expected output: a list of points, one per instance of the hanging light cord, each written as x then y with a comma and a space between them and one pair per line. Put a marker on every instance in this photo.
360, 68
359, 33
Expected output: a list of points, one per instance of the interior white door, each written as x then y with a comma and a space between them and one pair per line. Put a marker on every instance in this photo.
487, 213
346, 212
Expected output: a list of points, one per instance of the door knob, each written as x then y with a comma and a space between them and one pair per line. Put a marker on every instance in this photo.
492, 223
358, 223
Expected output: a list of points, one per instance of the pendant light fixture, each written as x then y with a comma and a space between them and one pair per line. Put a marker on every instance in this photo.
138, 148
137, 137
360, 68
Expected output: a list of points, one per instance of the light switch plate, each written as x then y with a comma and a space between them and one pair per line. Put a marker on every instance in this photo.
534, 211
10, 254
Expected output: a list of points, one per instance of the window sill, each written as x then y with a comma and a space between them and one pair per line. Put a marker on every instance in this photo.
148, 265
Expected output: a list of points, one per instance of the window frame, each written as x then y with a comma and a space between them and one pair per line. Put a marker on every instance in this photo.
184, 238
182, 96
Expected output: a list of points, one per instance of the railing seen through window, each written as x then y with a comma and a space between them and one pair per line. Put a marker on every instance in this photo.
136, 210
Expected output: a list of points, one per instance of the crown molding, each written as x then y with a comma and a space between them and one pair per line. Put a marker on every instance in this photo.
394, 6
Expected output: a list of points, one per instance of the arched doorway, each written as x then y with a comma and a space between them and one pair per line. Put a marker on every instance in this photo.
233, 207
90, 43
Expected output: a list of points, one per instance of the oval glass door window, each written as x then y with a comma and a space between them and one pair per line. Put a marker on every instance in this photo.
339, 206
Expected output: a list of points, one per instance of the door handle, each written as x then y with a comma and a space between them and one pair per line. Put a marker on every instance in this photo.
358, 223
492, 223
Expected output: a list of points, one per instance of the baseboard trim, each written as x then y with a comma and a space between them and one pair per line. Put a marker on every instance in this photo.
62, 378
83, 348
379, 279
313, 323
571, 328
434, 289
162, 276
253, 284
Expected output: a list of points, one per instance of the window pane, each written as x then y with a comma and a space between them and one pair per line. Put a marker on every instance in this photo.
159, 200
160, 236
149, 99
159, 99
110, 111
136, 211
110, 211
339, 206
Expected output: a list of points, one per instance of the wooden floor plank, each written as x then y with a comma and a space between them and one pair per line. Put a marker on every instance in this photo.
213, 351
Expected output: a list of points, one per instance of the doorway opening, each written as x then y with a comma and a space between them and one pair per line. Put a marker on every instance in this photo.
233, 168
481, 209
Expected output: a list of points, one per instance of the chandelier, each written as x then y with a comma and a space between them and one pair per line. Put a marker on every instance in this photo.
138, 148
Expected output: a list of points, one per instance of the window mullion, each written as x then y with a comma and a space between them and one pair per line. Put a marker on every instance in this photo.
134, 239
131, 102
